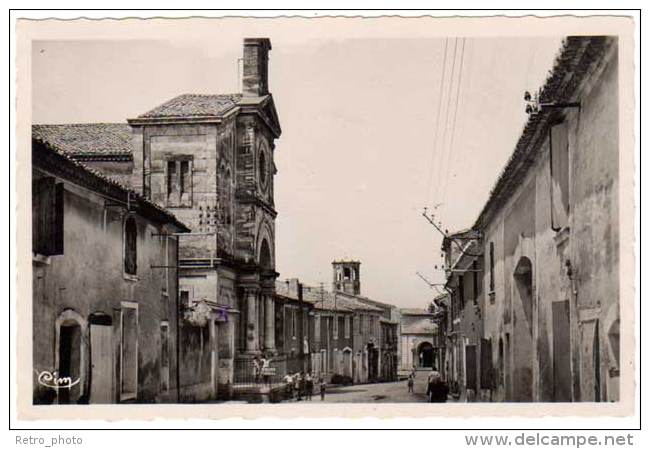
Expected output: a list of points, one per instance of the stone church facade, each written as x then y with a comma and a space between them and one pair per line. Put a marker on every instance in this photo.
209, 160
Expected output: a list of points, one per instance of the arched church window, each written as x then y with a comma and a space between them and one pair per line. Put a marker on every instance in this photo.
228, 198
262, 167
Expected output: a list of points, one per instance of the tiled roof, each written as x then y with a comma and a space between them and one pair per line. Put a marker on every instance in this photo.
414, 312
322, 299
78, 172
194, 105
87, 139
574, 61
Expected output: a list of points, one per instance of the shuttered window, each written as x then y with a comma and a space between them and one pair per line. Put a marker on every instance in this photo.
491, 266
47, 217
559, 176
130, 246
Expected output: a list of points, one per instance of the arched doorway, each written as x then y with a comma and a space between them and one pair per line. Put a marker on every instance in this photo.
347, 362
425, 355
523, 331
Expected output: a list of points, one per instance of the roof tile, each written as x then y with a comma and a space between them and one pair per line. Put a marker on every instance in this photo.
193, 105
87, 139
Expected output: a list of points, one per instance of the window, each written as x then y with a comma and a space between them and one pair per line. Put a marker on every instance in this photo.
129, 351
491, 266
131, 246
179, 181
262, 167
164, 356
294, 323
461, 291
347, 327
559, 166
185, 298
317, 328
476, 286
47, 217
335, 327
225, 196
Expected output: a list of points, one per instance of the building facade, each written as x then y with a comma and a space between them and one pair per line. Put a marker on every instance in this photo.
550, 234
545, 309
209, 159
104, 300
351, 338
417, 341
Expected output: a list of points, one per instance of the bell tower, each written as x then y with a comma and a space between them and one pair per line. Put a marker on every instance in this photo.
346, 277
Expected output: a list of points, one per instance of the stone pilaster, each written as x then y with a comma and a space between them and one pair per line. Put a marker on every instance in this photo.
252, 331
269, 336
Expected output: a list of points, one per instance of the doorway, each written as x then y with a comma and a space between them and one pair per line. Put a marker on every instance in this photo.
69, 360
523, 331
101, 360
425, 355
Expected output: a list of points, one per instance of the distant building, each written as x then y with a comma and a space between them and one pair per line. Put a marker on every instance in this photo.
350, 335
105, 311
417, 334
465, 324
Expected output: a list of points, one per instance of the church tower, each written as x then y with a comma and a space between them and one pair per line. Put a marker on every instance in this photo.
346, 277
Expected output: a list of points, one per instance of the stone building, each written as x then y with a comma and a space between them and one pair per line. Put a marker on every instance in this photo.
209, 159
294, 328
417, 341
463, 262
389, 350
105, 312
551, 239
349, 335
548, 239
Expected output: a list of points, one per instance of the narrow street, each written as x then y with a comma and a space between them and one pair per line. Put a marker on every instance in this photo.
378, 392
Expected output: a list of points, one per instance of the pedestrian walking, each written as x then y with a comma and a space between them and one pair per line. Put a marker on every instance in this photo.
298, 385
410, 383
321, 381
257, 369
437, 389
309, 386
288, 388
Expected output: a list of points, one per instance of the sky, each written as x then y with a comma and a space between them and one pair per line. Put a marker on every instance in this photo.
371, 133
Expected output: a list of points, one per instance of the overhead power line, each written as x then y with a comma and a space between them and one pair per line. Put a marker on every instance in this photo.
435, 135
453, 128
439, 167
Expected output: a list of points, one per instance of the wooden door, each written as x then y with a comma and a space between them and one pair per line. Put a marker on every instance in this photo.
561, 352
101, 354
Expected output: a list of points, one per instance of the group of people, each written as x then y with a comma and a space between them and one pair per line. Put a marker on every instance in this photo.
437, 389
299, 385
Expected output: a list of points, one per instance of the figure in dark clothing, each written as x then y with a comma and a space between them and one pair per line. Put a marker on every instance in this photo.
309, 386
437, 389
323, 386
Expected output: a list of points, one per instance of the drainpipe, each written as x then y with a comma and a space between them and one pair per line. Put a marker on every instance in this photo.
178, 328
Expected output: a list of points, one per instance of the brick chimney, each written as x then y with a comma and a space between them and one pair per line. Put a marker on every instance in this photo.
255, 81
